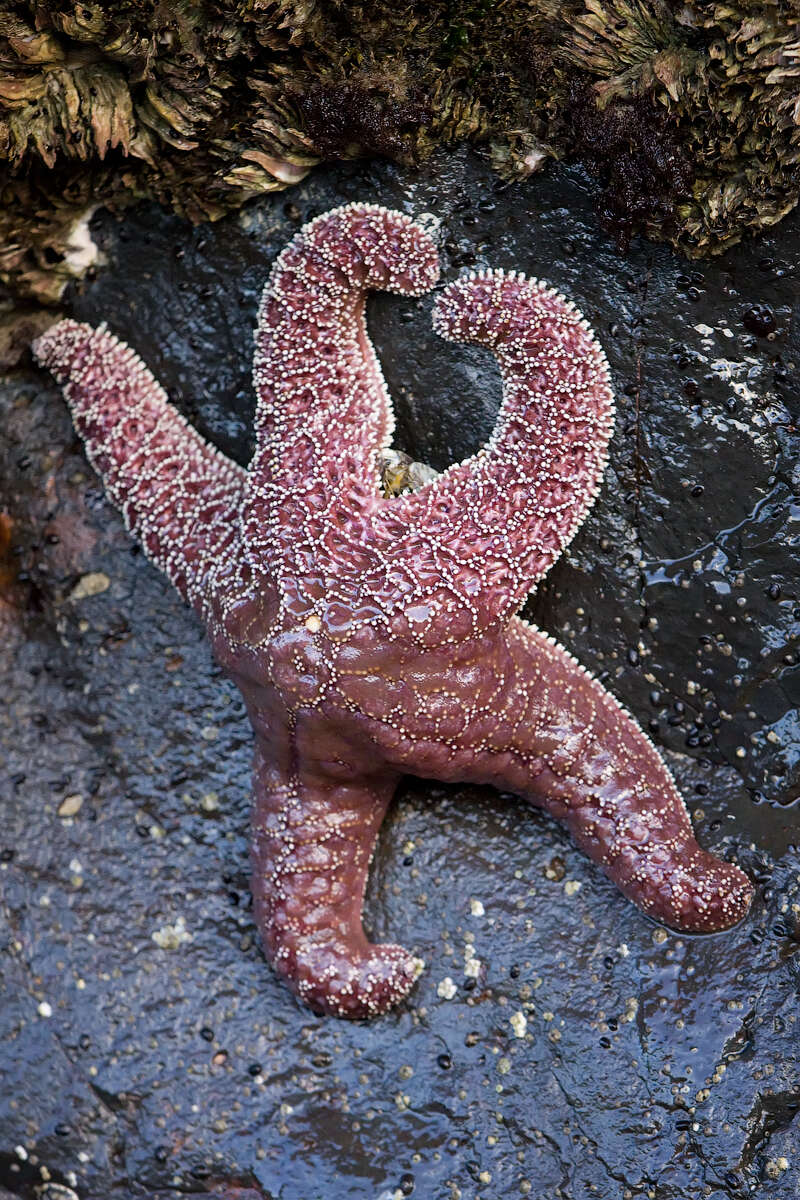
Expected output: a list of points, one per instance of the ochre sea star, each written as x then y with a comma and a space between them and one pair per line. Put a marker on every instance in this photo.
371, 636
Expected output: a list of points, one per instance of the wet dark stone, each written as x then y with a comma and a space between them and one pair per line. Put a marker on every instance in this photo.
124, 1061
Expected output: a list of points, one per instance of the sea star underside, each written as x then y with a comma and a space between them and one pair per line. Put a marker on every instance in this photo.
372, 637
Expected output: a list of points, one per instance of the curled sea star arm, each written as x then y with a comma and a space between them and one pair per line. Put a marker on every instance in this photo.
322, 407
530, 720
492, 526
313, 837
179, 496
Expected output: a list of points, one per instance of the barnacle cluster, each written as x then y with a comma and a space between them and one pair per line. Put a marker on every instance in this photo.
689, 113
727, 78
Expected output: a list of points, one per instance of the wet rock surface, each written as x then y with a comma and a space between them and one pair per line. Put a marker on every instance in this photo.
558, 1044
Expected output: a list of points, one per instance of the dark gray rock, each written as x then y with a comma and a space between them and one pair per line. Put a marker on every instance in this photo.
651, 1065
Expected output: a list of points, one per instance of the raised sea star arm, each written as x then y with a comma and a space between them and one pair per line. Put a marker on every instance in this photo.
527, 718
490, 527
179, 496
313, 837
322, 407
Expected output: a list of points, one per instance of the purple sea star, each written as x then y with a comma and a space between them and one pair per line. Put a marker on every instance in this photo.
372, 636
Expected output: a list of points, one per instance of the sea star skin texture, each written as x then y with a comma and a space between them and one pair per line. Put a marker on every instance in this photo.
373, 637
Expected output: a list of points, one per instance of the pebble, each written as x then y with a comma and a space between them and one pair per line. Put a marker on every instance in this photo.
70, 805
89, 585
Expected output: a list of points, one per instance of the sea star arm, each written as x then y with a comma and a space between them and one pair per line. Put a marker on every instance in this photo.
322, 407
314, 834
521, 714
179, 496
493, 525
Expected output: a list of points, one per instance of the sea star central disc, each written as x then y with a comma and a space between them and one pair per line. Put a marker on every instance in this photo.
370, 636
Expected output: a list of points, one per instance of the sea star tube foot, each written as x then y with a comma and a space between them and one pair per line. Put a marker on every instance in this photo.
375, 636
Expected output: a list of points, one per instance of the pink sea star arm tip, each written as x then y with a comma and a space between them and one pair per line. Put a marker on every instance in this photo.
179, 496
371, 637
